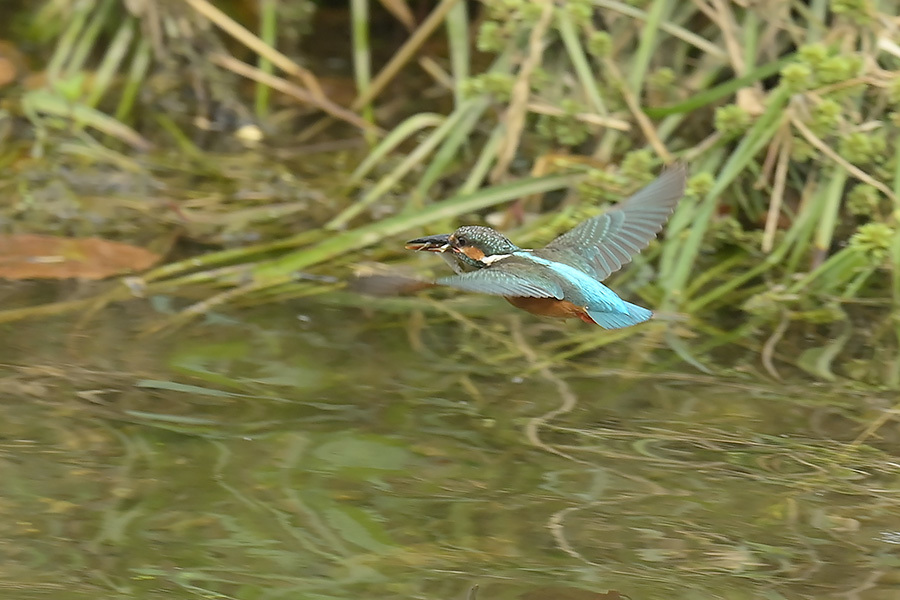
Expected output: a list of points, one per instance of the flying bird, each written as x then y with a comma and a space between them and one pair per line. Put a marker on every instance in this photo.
564, 278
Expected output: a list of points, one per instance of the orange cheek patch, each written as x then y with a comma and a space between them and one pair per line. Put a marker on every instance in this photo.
472, 252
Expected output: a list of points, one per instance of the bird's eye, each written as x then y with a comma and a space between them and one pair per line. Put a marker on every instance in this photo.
461, 242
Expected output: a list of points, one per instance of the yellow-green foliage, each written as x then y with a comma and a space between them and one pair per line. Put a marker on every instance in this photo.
789, 125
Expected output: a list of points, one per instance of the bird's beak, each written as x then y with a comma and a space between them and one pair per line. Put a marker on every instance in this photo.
432, 243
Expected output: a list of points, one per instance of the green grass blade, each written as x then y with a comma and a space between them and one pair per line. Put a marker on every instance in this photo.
88, 42
827, 218
647, 47
397, 135
65, 46
675, 282
894, 377
415, 158
486, 159
458, 38
268, 33
340, 243
672, 29
362, 57
721, 91
140, 64
444, 157
583, 69
42, 101
112, 60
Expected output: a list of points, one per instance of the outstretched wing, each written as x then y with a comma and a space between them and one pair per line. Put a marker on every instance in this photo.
508, 277
606, 242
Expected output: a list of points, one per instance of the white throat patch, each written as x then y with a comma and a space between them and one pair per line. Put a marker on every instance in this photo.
489, 260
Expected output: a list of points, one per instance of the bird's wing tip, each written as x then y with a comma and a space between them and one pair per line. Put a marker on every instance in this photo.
677, 169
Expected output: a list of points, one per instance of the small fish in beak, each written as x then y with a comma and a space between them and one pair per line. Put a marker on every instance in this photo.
431, 243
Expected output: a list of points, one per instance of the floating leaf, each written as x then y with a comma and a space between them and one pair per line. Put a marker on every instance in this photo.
30, 256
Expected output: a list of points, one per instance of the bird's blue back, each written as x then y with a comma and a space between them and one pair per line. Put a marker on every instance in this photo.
603, 305
579, 287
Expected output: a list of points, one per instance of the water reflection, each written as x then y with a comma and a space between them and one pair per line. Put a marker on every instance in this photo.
264, 456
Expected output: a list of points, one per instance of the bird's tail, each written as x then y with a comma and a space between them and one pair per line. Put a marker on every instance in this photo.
616, 320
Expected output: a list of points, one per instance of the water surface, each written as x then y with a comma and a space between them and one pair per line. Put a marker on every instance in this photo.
310, 451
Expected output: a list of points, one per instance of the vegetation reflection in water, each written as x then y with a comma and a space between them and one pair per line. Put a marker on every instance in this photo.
328, 458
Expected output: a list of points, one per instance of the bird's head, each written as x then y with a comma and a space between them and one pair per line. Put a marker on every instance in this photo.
472, 246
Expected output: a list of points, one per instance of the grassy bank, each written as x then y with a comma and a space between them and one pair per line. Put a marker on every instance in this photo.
526, 115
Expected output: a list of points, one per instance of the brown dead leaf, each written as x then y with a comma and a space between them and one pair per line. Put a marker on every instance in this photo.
7, 71
29, 256
12, 63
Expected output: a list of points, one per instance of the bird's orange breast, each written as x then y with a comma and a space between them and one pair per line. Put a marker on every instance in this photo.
551, 307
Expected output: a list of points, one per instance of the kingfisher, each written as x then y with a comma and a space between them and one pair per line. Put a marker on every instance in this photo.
564, 278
